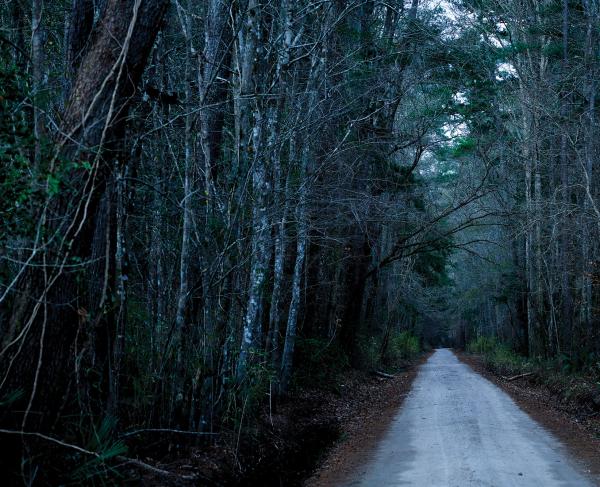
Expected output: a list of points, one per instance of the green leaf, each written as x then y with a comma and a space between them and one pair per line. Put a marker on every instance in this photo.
53, 185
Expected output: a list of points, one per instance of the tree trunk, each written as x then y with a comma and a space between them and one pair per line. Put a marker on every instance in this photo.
252, 129
280, 190
106, 80
292, 322
567, 312
37, 63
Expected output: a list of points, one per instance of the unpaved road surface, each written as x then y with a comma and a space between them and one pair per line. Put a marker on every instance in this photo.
457, 429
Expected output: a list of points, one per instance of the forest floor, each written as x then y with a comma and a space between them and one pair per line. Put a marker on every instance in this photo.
572, 423
321, 434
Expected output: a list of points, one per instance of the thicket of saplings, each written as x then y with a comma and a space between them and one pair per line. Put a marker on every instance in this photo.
321, 363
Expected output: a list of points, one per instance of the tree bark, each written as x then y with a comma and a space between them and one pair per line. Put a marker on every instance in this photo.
251, 128
302, 239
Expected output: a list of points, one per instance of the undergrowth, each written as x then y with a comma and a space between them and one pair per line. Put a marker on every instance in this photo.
403, 346
320, 363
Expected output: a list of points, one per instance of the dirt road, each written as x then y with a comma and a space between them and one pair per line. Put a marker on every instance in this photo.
457, 429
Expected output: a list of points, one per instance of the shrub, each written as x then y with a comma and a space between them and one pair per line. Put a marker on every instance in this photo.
368, 352
318, 362
507, 362
404, 346
482, 345
498, 356
401, 347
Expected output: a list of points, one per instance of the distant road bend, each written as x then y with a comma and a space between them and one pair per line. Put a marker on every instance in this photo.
457, 429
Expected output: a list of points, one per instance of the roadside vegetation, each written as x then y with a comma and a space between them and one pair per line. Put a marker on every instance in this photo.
322, 363
575, 384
